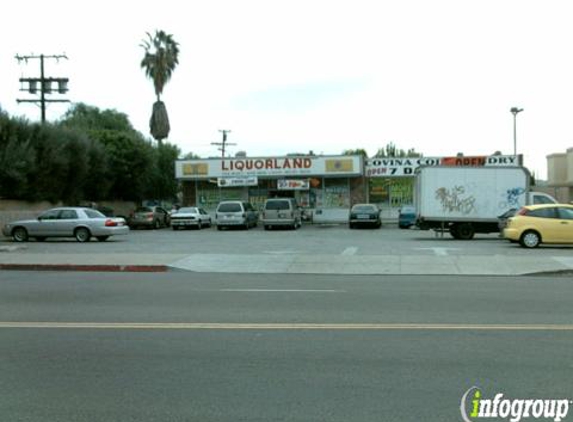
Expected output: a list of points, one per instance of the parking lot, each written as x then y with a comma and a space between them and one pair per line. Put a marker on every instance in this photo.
308, 241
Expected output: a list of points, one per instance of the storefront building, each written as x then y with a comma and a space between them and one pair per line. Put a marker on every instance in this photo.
316, 182
391, 180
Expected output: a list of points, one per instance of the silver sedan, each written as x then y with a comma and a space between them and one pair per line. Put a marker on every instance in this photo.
78, 222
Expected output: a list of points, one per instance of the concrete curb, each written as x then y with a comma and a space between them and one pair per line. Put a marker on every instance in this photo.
87, 268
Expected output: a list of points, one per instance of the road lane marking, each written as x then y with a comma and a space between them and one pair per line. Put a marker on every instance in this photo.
284, 326
439, 251
350, 251
282, 290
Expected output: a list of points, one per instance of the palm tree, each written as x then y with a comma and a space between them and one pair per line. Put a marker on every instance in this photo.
161, 58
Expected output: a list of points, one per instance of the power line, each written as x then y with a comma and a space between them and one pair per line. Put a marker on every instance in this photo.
45, 83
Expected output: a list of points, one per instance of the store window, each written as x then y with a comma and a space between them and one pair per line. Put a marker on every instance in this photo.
336, 193
391, 192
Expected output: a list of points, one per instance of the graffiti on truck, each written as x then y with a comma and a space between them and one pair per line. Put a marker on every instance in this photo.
511, 198
456, 200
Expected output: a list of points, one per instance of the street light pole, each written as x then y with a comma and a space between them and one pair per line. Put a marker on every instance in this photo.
514, 111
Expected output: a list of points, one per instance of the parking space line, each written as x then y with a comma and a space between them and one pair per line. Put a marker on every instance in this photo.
350, 251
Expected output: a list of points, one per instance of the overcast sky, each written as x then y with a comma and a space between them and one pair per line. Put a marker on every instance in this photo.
293, 76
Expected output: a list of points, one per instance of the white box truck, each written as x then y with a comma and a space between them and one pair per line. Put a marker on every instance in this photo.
469, 200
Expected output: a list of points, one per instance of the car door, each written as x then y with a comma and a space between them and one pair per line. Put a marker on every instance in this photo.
545, 221
46, 225
66, 222
163, 216
205, 219
565, 215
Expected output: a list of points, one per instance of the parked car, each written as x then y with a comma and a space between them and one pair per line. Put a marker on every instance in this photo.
536, 224
283, 212
364, 215
152, 217
407, 216
190, 217
236, 214
81, 223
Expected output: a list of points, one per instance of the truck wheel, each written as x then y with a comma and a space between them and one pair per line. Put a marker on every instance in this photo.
530, 239
465, 231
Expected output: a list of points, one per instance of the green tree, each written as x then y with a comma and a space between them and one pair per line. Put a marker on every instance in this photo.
390, 150
17, 156
190, 156
120, 158
160, 59
164, 184
357, 151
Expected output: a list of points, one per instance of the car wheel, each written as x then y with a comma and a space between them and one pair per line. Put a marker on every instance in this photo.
82, 234
102, 238
267, 227
530, 239
174, 227
350, 225
20, 234
219, 228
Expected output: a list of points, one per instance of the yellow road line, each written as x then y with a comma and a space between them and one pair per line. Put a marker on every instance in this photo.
284, 326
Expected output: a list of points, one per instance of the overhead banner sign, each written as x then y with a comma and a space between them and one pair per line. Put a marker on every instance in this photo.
286, 184
388, 167
230, 182
344, 165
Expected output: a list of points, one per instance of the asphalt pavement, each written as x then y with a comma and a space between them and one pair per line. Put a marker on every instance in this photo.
183, 346
310, 250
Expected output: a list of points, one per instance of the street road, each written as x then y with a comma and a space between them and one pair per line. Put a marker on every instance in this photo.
231, 347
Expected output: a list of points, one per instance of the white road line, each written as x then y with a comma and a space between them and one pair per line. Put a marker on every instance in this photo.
282, 290
284, 326
350, 251
565, 260
439, 251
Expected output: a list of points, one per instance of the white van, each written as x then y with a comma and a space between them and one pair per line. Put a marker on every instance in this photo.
236, 214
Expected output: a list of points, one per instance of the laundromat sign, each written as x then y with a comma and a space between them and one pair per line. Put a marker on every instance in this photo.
269, 166
387, 167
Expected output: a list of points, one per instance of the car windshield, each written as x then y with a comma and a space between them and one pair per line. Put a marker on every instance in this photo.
277, 205
232, 207
187, 210
364, 208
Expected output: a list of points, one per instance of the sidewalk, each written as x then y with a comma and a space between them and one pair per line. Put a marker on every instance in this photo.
15, 259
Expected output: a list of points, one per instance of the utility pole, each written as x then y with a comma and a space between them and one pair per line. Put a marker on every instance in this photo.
223, 144
44, 82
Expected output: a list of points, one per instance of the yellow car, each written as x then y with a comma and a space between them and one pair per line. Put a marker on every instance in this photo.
536, 224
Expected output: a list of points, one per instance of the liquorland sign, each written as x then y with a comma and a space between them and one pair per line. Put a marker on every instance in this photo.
269, 166
387, 167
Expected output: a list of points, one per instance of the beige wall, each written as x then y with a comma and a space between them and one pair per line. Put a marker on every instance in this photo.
570, 165
557, 168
